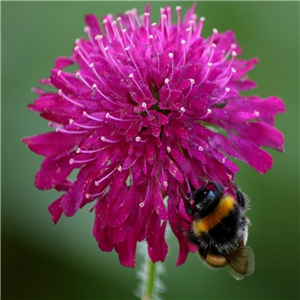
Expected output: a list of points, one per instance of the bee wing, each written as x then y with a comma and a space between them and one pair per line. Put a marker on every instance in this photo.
241, 262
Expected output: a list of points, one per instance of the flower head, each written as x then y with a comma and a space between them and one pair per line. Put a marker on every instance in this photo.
153, 109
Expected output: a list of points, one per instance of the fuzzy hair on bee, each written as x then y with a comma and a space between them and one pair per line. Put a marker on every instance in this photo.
219, 228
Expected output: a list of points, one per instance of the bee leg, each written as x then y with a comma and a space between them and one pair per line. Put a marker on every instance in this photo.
239, 195
192, 238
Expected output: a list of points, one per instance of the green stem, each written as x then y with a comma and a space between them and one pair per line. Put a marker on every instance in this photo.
149, 280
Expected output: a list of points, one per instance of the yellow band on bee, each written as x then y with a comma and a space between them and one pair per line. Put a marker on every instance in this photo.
223, 209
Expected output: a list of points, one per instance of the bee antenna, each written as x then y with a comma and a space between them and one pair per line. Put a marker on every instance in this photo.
204, 179
183, 193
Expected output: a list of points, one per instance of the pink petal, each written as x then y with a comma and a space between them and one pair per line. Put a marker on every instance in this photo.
62, 62
55, 210
52, 143
255, 157
71, 201
158, 201
53, 173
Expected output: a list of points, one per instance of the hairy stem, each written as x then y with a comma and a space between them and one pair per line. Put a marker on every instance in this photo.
149, 280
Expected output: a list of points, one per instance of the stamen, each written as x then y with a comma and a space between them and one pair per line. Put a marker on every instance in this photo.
199, 27
105, 24
183, 43
104, 139
109, 116
85, 114
99, 39
72, 122
59, 129
60, 93
192, 82
94, 86
78, 75
209, 65
73, 161
178, 9
171, 56
78, 50
105, 177
133, 79
132, 59
88, 31
91, 151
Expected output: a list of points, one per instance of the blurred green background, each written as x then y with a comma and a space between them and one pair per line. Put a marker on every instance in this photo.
43, 261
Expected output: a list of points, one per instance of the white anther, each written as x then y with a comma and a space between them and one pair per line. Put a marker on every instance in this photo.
146, 14
87, 196
77, 74
167, 80
200, 148
142, 204
182, 109
59, 92
183, 42
213, 45
165, 183
131, 75
58, 72
127, 48
119, 168
76, 48
98, 37
71, 121
202, 19
227, 90
168, 149
106, 49
233, 70
144, 104
209, 111
94, 86
137, 138
256, 113
103, 139
124, 30
77, 41
114, 23
164, 16
78, 150
87, 29
91, 65
178, 8
71, 161
84, 113
192, 81
209, 65
171, 55
233, 53
150, 37
107, 115
104, 21
233, 46
215, 31
223, 160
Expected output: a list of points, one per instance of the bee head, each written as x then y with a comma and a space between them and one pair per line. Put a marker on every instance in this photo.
205, 200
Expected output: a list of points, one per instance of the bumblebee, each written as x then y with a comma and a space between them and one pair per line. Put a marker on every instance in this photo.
220, 229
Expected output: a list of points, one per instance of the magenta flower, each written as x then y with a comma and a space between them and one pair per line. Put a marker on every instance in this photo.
152, 108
